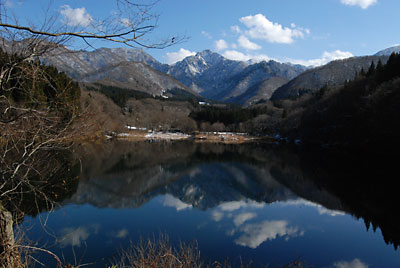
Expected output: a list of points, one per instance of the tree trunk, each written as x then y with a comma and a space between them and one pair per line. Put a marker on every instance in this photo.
9, 256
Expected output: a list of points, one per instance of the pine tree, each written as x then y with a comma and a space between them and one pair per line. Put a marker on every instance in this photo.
371, 70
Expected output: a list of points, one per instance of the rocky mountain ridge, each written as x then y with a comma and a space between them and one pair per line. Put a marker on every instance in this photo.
208, 74
120, 67
218, 78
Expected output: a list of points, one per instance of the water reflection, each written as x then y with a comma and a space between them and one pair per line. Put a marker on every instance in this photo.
202, 176
75, 237
356, 263
262, 203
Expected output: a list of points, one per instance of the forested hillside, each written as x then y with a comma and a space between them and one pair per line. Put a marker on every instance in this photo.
362, 114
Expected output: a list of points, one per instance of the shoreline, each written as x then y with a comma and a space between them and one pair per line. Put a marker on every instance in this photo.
212, 137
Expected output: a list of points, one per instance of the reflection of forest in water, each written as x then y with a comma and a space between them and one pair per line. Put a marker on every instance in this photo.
203, 175
127, 175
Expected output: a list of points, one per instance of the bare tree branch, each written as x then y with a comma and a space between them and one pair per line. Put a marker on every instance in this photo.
39, 105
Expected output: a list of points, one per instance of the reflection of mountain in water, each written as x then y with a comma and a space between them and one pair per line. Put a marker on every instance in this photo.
216, 183
203, 179
206, 175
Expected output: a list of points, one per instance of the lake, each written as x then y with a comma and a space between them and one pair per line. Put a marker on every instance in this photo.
255, 203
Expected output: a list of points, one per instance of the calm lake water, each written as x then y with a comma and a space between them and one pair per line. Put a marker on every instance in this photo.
251, 203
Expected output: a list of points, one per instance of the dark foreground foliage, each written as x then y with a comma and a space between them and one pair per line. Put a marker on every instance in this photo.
32, 85
37, 107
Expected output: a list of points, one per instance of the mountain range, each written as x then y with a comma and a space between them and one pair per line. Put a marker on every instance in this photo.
206, 73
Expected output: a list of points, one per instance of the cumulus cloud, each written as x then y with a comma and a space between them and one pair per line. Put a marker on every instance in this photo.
255, 234
173, 57
237, 55
356, 263
364, 4
325, 58
259, 27
171, 201
245, 43
75, 16
221, 45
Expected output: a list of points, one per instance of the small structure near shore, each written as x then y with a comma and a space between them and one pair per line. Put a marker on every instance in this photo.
140, 134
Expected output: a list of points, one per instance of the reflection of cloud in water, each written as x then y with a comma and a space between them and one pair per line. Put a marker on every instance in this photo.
330, 212
194, 172
257, 233
217, 215
235, 205
242, 218
73, 236
225, 209
356, 263
171, 201
321, 209
76, 236
122, 233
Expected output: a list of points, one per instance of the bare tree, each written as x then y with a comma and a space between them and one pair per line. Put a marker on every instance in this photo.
38, 105
130, 24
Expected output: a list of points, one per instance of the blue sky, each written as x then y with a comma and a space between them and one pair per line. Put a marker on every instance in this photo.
309, 32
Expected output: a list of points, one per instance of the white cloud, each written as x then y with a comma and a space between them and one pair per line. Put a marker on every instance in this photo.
236, 55
364, 4
206, 34
356, 263
245, 43
75, 16
243, 217
173, 57
171, 201
221, 45
255, 234
326, 57
262, 28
